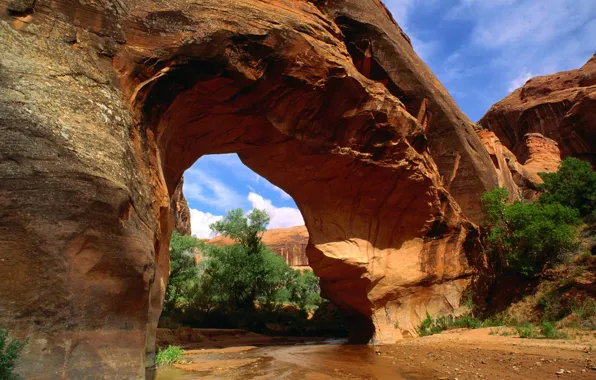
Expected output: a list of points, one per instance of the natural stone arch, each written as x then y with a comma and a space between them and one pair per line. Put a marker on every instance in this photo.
139, 94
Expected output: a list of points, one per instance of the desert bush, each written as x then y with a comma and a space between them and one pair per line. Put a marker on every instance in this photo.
573, 185
553, 307
430, 326
425, 325
10, 349
585, 313
527, 330
524, 237
550, 331
168, 356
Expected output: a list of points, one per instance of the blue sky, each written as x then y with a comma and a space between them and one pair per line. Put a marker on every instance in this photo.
480, 50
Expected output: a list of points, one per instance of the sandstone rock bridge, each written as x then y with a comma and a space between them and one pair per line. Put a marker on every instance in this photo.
105, 103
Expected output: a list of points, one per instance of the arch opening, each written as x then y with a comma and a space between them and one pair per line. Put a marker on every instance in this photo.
338, 144
204, 289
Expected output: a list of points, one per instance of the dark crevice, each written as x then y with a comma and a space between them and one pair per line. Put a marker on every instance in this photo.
357, 38
20, 8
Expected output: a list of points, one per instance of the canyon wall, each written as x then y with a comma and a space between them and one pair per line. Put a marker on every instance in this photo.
289, 243
559, 108
105, 104
180, 211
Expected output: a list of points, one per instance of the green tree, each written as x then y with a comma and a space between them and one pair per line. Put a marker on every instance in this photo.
246, 231
238, 277
524, 237
10, 349
573, 185
183, 271
305, 290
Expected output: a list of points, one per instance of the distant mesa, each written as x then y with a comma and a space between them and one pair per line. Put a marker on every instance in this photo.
289, 243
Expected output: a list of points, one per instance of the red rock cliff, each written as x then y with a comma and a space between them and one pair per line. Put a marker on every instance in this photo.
180, 211
560, 107
289, 243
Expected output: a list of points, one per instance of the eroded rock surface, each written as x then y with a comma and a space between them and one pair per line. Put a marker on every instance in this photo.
289, 243
560, 107
520, 180
180, 210
103, 105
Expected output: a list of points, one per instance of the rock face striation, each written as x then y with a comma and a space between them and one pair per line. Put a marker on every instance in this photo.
548, 114
289, 243
180, 211
105, 104
520, 180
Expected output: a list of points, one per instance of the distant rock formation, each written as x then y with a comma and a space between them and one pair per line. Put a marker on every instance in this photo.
559, 107
289, 243
520, 180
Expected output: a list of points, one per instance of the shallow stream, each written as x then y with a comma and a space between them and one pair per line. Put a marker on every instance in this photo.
305, 361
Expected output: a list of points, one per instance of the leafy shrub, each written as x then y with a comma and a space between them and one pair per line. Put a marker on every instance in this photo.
10, 350
170, 355
430, 326
524, 237
585, 313
425, 325
549, 330
552, 306
527, 330
573, 185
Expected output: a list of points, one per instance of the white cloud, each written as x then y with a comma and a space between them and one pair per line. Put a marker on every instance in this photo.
519, 81
516, 39
281, 193
200, 221
204, 188
281, 217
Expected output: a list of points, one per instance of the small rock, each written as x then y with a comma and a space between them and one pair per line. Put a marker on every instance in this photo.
560, 372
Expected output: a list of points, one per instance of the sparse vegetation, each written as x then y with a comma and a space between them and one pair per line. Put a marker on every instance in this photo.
430, 326
10, 349
168, 356
550, 331
527, 330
